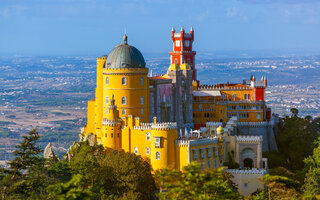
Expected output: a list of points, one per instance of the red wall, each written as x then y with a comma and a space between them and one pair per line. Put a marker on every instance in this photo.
259, 94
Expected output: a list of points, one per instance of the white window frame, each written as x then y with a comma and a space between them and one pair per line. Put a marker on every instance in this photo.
136, 150
158, 155
147, 151
124, 100
157, 142
107, 80
124, 81
148, 136
107, 100
177, 43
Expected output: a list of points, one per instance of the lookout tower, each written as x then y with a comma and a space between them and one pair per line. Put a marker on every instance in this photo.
182, 49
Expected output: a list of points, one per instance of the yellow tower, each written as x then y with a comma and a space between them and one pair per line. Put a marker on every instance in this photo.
111, 127
125, 76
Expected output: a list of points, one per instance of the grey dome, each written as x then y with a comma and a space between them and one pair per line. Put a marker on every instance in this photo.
125, 56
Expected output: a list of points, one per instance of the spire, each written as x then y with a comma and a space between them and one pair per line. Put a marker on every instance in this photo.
151, 73
112, 100
172, 29
191, 29
125, 38
182, 28
262, 78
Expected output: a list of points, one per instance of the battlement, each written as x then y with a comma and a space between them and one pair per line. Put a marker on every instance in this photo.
102, 58
142, 127
246, 171
253, 124
217, 87
164, 126
214, 124
247, 138
197, 141
111, 122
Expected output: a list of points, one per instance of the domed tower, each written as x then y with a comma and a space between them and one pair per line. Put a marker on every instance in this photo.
125, 75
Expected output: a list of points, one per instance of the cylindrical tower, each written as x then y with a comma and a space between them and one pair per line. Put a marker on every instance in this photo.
163, 137
126, 77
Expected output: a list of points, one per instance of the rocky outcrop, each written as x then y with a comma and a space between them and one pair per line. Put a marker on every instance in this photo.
91, 138
48, 152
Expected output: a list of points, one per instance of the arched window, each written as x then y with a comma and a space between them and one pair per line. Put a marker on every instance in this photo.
245, 96
258, 116
223, 96
157, 155
234, 96
147, 151
136, 150
148, 136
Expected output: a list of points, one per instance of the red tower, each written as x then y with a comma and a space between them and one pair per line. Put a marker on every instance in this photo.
182, 49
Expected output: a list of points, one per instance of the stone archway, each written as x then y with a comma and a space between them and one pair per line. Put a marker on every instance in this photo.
247, 158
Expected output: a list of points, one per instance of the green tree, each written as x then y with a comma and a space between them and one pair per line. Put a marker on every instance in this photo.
295, 141
194, 183
22, 180
278, 187
312, 180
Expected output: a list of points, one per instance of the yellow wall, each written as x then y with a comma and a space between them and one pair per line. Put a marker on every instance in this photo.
133, 90
90, 117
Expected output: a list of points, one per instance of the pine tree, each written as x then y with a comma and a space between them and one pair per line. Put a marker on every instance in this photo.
26, 155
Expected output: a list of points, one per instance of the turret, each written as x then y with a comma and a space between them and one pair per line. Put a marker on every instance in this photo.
265, 81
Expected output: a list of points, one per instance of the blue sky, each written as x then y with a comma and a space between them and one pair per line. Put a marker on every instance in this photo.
94, 27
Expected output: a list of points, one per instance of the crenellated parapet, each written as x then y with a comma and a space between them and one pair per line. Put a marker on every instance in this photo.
254, 124
164, 126
246, 171
247, 138
217, 87
111, 122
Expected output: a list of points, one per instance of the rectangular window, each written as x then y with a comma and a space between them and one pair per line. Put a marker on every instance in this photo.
157, 142
187, 43
141, 80
107, 100
141, 111
202, 153
209, 152
215, 164
141, 100
124, 81
216, 151
195, 154
107, 80
123, 111
177, 43
124, 100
